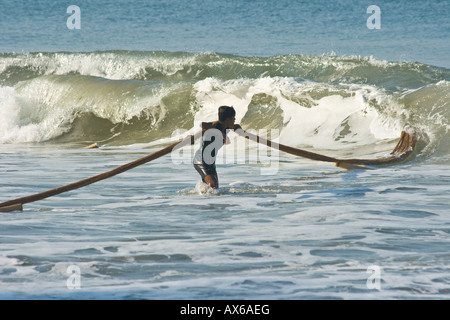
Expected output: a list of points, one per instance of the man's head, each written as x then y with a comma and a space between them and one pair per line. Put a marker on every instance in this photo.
227, 115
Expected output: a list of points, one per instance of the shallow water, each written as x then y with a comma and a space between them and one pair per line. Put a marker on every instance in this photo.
140, 74
312, 231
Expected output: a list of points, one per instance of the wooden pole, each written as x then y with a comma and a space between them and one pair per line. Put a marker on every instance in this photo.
402, 150
14, 207
16, 204
287, 149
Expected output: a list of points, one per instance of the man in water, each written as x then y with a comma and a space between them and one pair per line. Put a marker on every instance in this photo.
214, 136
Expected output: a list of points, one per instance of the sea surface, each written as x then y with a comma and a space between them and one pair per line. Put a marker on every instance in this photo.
137, 76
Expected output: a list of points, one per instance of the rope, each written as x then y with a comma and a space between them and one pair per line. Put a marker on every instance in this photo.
13, 204
402, 150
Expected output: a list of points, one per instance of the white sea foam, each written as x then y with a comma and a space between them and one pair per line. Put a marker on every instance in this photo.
331, 112
23, 120
333, 118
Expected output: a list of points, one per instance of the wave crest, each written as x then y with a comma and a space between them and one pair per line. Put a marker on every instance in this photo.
326, 102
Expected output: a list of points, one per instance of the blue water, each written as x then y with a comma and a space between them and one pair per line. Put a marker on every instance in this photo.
409, 30
137, 74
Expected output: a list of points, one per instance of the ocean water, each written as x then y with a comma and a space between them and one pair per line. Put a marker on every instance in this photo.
137, 76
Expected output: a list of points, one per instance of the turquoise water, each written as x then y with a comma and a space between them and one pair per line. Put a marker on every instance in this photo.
137, 76
409, 30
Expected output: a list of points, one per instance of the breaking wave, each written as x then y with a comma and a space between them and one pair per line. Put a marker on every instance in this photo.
121, 98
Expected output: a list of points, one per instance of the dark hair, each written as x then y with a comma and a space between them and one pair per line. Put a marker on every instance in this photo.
226, 112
